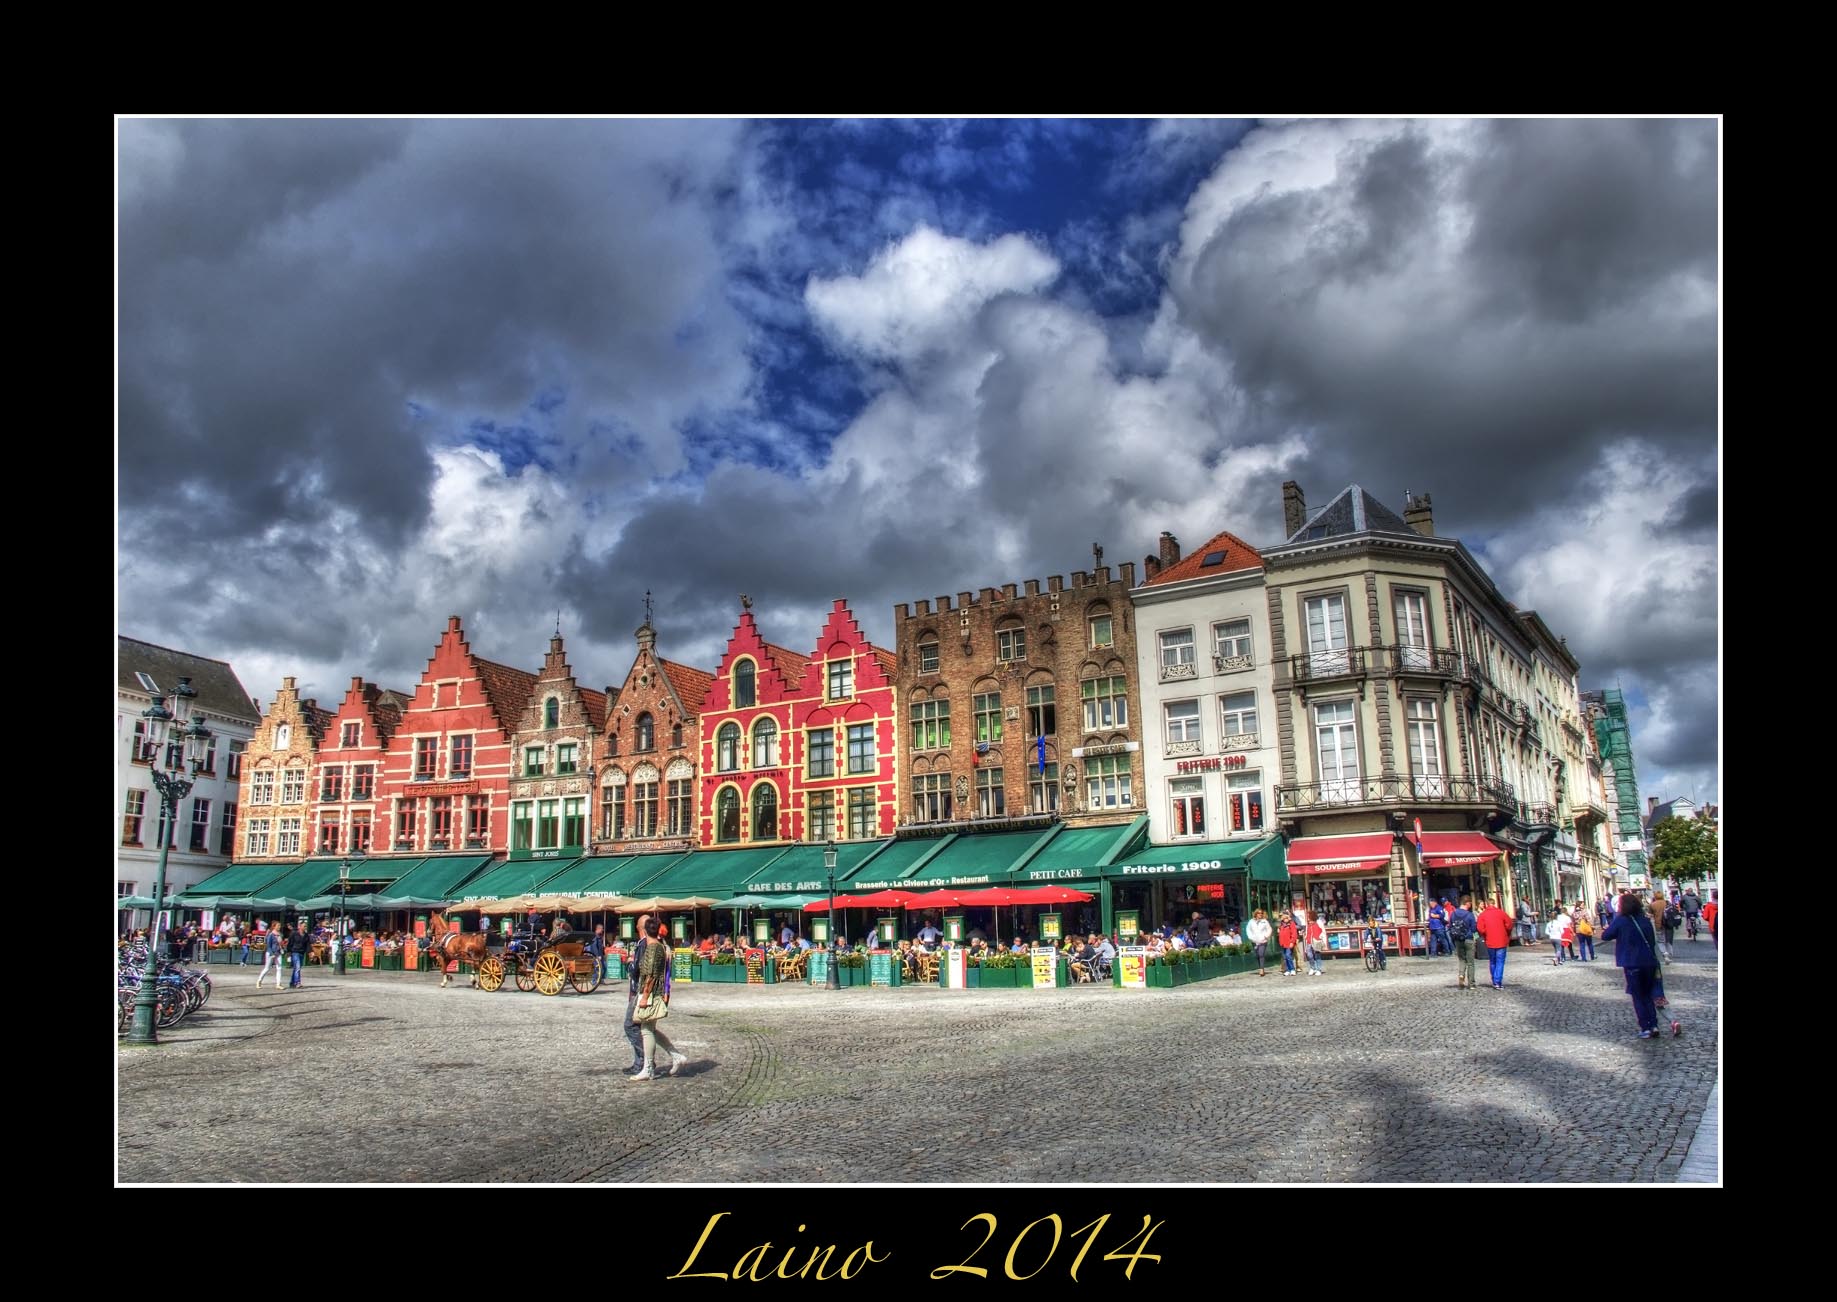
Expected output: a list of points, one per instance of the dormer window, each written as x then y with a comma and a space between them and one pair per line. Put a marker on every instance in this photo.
744, 694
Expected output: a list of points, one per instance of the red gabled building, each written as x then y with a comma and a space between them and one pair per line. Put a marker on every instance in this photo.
799, 747
446, 772
747, 728
348, 817
847, 714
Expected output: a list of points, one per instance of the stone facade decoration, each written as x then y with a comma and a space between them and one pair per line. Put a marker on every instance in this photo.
1209, 755
277, 793
350, 816
446, 776
984, 681
648, 796
552, 755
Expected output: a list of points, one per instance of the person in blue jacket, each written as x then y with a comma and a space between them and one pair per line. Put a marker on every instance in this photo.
1438, 932
1636, 951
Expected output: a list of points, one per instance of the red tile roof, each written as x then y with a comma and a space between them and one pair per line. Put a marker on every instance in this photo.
386, 707
889, 662
595, 704
1239, 555
507, 689
691, 684
790, 664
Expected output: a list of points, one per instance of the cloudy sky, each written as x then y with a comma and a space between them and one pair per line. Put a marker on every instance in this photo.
375, 373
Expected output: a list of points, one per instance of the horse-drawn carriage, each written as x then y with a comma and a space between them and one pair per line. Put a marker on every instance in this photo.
541, 964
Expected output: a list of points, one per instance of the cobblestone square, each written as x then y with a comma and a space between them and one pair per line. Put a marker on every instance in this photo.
1393, 1076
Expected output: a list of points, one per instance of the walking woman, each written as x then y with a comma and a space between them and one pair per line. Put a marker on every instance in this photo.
1636, 951
1316, 944
654, 1003
271, 958
1258, 935
1287, 938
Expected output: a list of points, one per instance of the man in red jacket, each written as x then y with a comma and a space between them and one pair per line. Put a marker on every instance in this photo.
1496, 930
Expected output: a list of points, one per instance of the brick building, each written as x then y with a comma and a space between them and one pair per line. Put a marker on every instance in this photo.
277, 795
648, 794
551, 792
349, 815
1023, 702
446, 772
747, 727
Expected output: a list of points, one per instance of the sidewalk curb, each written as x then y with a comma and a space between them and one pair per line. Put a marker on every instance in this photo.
1701, 1163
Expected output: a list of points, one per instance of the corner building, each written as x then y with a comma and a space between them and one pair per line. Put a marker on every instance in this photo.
648, 793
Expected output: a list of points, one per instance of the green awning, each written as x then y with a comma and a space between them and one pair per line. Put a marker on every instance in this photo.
975, 859
438, 877
800, 869
887, 867
243, 879
627, 876
719, 873
1197, 860
576, 876
517, 877
775, 901
1079, 853
314, 877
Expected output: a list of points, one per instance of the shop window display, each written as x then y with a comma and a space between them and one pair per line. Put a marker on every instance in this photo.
1349, 901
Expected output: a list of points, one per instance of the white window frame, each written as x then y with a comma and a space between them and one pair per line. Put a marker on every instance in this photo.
1184, 726
1325, 619
1186, 797
1340, 781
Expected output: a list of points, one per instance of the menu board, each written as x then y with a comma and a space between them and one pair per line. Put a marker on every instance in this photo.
411, 955
1128, 922
954, 960
682, 965
880, 968
1045, 969
819, 968
1049, 926
1132, 965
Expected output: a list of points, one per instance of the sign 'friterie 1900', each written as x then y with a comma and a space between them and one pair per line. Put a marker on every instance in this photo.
1212, 763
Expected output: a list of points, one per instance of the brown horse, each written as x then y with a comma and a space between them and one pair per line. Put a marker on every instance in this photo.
453, 944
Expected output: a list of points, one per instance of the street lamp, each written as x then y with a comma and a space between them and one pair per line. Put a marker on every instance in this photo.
344, 889
165, 728
829, 866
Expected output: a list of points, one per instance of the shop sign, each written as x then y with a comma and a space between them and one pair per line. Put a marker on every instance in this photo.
1049, 926
1132, 964
1191, 866
880, 968
953, 928
1110, 748
411, 956
762, 930
1128, 922
628, 927
1056, 874
1212, 763
446, 788
819, 930
787, 888
1045, 970
954, 959
887, 927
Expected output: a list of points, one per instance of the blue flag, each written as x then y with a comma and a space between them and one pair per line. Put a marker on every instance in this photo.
1040, 741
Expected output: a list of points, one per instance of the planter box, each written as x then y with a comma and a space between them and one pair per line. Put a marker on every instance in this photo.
222, 954
389, 962
1003, 977
730, 973
355, 958
852, 976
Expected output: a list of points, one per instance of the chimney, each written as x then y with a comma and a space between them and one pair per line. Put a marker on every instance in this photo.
1418, 515
357, 682
1294, 509
1651, 806
1151, 566
1170, 548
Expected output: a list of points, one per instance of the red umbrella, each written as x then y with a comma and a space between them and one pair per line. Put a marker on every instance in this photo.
822, 906
935, 900
891, 899
1051, 895
996, 895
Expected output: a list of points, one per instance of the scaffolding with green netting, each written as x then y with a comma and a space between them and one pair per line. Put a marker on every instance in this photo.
1615, 741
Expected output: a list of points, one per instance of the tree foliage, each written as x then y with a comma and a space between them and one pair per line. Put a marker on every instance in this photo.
1684, 848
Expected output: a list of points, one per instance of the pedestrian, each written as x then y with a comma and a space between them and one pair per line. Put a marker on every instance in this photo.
1553, 932
271, 958
297, 942
1655, 913
1710, 911
1438, 932
1671, 919
1463, 933
1527, 924
1374, 939
653, 1004
1258, 934
1496, 930
1584, 935
1316, 943
633, 1035
1286, 938
243, 961
1636, 952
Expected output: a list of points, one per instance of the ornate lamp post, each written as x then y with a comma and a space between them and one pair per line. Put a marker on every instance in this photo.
344, 889
166, 728
829, 866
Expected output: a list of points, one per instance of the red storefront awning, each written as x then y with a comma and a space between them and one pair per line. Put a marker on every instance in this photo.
1455, 849
1339, 854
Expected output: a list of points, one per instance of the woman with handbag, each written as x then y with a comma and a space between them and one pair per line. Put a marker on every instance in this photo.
1636, 952
654, 1003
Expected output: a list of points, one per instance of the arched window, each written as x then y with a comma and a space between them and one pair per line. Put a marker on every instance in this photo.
727, 815
743, 684
765, 744
727, 748
612, 743
765, 813
647, 732
676, 735
551, 713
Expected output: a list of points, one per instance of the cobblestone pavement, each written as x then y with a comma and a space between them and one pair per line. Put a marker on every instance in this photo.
1347, 1077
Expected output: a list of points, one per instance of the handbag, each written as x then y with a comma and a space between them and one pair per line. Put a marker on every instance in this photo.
651, 1008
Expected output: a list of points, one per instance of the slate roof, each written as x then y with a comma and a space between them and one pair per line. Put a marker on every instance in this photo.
218, 689
1353, 511
1239, 555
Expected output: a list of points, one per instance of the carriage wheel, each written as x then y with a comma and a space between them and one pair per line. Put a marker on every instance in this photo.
551, 974
585, 977
491, 974
526, 976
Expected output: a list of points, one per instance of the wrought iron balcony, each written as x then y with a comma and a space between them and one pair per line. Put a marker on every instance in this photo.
1311, 667
1426, 662
1399, 789
1232, 664
1591, 811
1538, 815
1171, 672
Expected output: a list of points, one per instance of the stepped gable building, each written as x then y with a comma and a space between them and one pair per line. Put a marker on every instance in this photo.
748, 744
553, 757
446, 772
845, 771
201, 840
1022, 704
277, 793
355, 744
648, 794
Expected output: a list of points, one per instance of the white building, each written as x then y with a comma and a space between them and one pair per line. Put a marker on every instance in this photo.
203, 835
1209, 758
